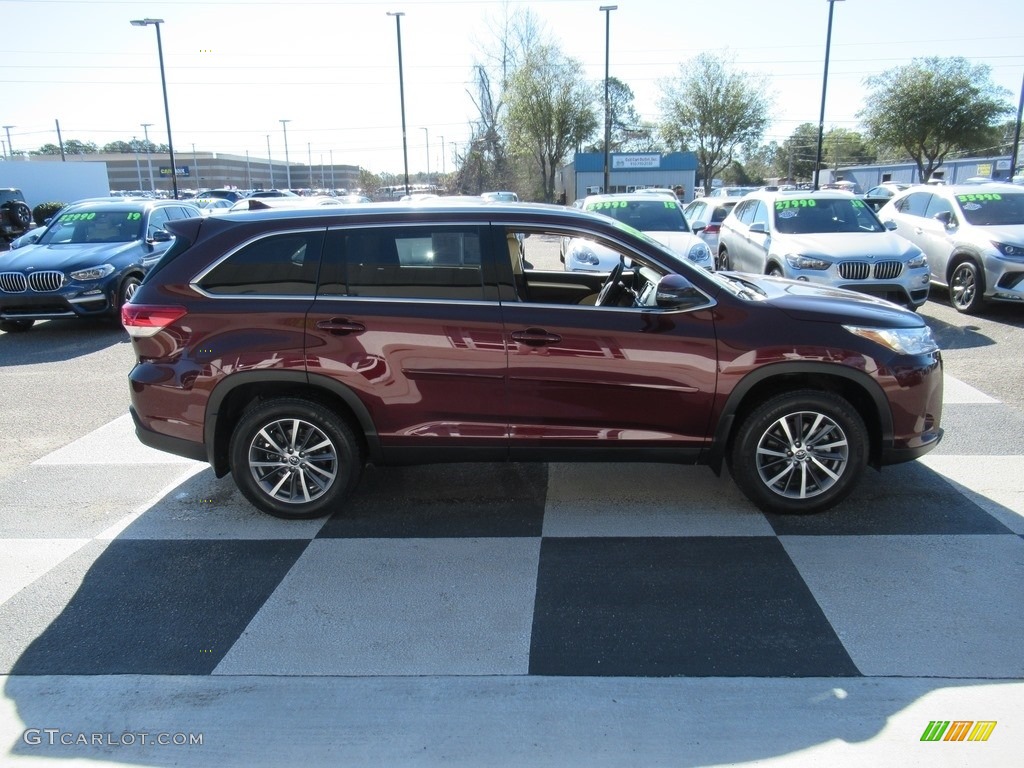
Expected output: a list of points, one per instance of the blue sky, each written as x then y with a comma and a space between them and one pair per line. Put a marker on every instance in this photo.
235, 68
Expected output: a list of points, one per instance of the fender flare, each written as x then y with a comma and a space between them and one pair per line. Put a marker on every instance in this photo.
739, 394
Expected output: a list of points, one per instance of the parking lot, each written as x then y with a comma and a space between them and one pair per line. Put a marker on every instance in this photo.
527, 614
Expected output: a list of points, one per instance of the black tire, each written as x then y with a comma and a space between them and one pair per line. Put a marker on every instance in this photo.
19, 213
723, 264
779, 458
775, 271
16, 326
273, 471
125, 292
967, 288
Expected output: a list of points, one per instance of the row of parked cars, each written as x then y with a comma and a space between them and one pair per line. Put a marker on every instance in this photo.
968, 239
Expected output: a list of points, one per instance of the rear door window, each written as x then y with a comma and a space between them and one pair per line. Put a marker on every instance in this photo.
412, 262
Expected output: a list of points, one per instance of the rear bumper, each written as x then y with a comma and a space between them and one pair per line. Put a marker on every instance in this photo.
175, 445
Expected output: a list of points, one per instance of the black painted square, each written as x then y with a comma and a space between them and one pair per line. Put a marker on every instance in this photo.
703, 606
444, 500
904, 500
160, 607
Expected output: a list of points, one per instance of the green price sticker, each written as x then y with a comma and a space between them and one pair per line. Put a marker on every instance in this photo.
979, 197
134, 216
801, 202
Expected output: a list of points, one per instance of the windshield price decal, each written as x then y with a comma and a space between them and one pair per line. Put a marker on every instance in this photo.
625, 204
858, 204
67, 218
979, 197
803, 202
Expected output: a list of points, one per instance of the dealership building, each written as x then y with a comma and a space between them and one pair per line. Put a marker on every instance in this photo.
627, 172
210, 170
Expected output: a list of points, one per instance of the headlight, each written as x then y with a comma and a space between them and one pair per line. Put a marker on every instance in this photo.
586, 256
916, 262
699, 252
797, 261
905, 341
1008, 249
93, 273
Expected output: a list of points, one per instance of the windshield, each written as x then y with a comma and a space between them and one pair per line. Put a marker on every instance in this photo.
806, 215
645, 215
991, 208
94, 227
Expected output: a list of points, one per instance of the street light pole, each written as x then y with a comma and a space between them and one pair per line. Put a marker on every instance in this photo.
401, 94
444, 170
287, 162
138, 168
149, 157
10, 147
607, 9
270, 164
427, 132
824, 88
163, 82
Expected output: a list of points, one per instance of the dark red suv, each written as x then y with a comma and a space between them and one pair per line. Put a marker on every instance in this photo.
291, 347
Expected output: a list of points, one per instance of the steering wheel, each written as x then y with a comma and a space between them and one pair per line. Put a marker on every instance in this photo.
612, 289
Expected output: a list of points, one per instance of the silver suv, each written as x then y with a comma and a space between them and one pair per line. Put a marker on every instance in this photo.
973, 235
825, 236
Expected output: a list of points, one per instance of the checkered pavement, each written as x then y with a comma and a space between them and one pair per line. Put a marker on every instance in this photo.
123, 560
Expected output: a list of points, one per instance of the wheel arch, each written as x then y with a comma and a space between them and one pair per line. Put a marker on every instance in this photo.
961, 255
857, 387
238, 392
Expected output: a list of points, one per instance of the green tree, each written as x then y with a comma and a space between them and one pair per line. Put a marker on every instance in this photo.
759, 164
797, 154
550, 112
628, 131
931, 107
840, 146
75, 147
714, 111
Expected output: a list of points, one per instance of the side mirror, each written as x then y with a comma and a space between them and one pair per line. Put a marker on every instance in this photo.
698, 228
890, 225
758, 228
946, 218
161, 236
676, 292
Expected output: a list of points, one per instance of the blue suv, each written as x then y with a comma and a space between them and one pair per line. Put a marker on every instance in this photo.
88, 263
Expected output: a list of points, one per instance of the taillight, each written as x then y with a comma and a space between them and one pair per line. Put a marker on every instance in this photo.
143, 320
712, 229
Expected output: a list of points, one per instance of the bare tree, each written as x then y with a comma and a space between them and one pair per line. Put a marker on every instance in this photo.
486, 162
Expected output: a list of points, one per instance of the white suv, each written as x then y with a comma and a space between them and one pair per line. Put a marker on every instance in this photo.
973, 235
659, 216
825, 236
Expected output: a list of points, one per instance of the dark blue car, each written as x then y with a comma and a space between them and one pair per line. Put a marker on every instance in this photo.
87, 263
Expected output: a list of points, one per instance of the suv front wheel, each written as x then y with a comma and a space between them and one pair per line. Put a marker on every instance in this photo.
294, 458
800, 452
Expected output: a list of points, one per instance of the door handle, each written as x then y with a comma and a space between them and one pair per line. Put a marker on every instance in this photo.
339, 326
535, 337
918, 231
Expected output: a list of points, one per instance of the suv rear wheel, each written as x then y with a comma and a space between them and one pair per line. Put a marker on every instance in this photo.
294, 458
799, 453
